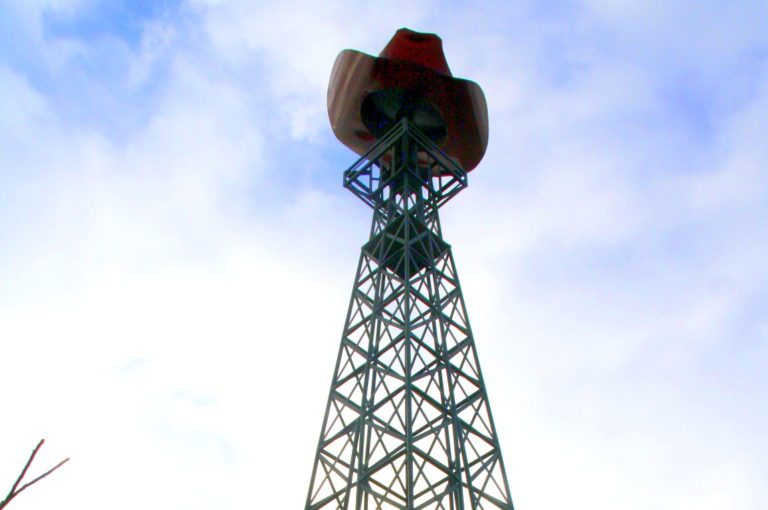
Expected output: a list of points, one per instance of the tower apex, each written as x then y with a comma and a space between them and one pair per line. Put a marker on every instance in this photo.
410, 78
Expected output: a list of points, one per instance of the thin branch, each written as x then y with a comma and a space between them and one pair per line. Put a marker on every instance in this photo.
15, 491
26, 466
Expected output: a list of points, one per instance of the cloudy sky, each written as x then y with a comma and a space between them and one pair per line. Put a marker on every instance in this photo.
177, 252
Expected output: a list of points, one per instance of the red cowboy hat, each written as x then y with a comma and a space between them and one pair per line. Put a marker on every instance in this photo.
367, 95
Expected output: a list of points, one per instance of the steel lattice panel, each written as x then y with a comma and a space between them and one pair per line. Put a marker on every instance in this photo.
408, 424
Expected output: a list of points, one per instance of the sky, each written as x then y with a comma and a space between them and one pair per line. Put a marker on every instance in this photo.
177, 250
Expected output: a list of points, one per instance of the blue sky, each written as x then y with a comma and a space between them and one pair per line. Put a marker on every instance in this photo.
176, 246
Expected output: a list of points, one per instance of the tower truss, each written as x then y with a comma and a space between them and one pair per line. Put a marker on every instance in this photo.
408, 424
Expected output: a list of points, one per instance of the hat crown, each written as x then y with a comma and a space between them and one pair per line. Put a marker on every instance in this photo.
423, 49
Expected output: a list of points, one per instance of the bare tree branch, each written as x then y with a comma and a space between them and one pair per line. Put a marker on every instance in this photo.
26, 466
15, 490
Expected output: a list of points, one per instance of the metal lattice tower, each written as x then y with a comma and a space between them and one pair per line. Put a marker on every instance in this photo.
408, 425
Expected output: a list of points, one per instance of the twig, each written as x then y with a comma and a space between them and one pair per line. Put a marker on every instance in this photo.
15, 491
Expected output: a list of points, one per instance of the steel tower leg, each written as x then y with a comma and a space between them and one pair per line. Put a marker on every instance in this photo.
408, 424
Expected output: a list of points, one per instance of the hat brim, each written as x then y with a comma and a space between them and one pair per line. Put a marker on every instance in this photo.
460, 102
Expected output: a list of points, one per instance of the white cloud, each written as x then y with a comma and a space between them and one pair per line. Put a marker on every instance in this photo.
296, 44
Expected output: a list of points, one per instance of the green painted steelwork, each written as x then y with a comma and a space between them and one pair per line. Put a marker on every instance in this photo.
408, 425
